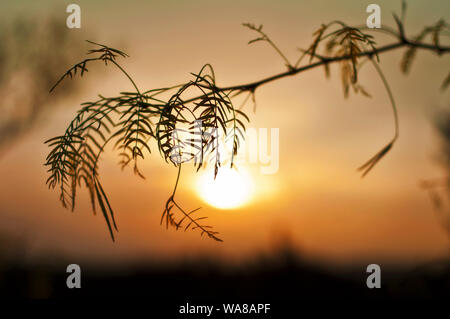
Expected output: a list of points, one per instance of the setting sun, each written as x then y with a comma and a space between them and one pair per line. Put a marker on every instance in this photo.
231, 188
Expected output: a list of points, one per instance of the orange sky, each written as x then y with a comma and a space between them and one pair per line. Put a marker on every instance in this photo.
316, 198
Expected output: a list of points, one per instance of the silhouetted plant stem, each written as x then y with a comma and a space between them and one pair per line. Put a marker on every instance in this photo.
374, 160
324, 60
328, 60
128, 76
177, 180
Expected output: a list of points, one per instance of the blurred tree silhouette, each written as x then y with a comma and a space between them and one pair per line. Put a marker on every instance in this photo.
439, 188
28, 66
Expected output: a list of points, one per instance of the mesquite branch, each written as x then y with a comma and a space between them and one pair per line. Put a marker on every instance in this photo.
402, 43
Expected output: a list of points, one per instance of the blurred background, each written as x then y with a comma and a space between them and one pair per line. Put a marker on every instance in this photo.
313, 224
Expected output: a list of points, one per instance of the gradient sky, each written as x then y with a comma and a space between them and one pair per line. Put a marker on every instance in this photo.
317, 200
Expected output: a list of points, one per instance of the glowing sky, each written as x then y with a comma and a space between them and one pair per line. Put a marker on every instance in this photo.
317, 199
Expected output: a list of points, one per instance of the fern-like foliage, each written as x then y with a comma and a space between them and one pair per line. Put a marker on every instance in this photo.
435, 32
130, 121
